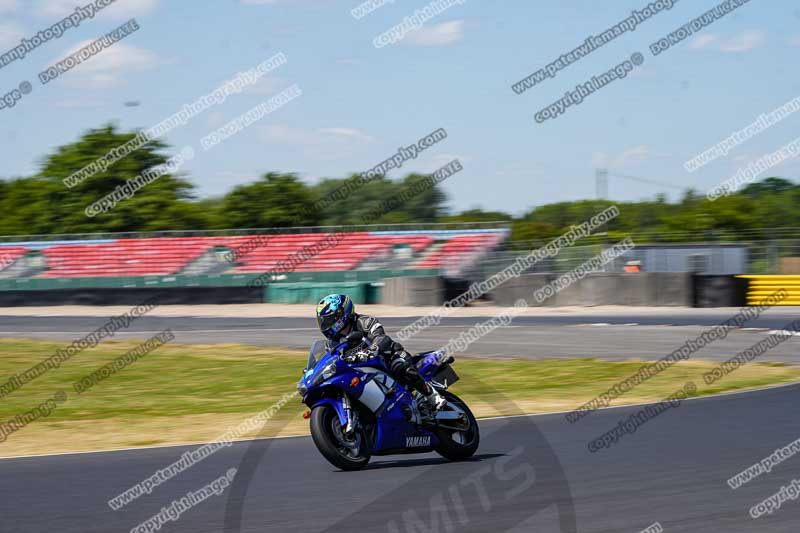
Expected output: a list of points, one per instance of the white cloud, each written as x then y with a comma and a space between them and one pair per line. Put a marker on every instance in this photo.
125, 9
600, 159
439, 34
10, 35
282, 133
703, 41
743, 42
322, 143
291, 135
435, 162
79, 104
349, 133
7, 6
640, 153
121, 9
267, 86
630, 155
108, 68
117, 57
52, 9
644, 72
634, 154
793, 41
215, 119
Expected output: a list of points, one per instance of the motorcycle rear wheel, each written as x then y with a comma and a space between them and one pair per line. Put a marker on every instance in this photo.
458, 445
341, 452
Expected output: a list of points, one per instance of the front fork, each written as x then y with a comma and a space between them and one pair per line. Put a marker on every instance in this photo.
351, 416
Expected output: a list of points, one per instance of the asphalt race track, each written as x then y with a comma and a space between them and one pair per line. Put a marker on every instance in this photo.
530, 474
612, 337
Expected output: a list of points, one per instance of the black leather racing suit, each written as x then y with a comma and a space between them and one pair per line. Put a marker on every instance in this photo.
397, 359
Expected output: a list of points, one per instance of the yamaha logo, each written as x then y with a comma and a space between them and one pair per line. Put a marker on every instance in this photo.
418, 442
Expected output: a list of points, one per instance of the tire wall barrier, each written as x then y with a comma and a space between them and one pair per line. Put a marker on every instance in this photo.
720, 291
759, 287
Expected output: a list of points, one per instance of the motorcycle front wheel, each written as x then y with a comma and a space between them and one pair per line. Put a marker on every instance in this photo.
458, 445
347, 453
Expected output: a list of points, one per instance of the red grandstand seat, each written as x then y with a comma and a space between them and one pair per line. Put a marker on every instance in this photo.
258, 253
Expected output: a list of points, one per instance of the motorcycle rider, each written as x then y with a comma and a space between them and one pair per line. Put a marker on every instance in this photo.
336, 318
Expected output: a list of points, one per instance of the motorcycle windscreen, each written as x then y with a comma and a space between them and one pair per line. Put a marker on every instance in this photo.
317, 350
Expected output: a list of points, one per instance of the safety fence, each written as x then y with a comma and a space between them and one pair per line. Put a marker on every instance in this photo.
757, 257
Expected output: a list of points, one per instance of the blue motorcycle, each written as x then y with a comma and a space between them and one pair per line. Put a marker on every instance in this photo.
358, 410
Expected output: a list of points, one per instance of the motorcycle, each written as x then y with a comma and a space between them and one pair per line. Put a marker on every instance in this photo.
357, 410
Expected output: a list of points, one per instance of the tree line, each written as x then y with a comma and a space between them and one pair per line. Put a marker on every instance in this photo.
41, 204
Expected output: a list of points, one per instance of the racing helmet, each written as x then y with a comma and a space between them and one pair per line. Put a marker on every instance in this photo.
334, 313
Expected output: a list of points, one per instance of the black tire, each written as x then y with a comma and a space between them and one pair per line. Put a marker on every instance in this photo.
450, 449
322, 419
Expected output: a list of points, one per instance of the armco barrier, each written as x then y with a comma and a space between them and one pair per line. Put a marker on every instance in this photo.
759, 287
195, 289
132, 296
203, 280
633, 289
292, 293
311, 293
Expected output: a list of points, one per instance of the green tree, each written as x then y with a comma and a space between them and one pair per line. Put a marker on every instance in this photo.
42, 204
275, 200
768, 186
479, 215
160, 205
416, 204
30, 206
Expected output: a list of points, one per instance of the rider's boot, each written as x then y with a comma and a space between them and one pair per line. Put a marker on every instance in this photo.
435, 399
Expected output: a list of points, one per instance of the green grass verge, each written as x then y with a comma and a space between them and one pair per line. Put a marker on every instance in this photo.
193, 393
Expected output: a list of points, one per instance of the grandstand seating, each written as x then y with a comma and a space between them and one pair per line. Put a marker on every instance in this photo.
351, 251
457, 250
124, 257
9, 254
254, 254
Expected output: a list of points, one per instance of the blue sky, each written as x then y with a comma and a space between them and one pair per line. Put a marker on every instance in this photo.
360, 103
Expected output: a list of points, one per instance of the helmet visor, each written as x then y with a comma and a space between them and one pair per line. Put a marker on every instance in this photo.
327, 322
